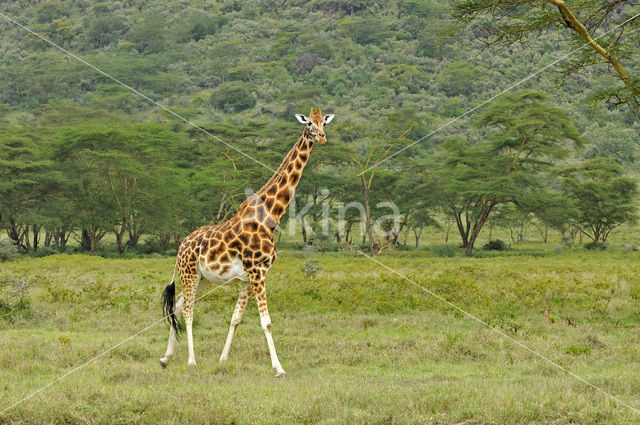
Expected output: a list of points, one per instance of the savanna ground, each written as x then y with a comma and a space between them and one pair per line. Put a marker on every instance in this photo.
360, 344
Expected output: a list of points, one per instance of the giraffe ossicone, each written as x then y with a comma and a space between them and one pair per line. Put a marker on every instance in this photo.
241, 248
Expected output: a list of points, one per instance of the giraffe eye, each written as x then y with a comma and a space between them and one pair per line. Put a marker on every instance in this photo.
309, 124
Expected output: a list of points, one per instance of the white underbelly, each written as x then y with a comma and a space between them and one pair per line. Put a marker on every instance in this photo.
235, 270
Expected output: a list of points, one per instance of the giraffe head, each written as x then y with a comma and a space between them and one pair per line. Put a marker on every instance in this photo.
315, 122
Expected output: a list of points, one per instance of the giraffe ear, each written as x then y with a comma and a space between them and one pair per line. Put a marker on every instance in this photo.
302, 119
328, 118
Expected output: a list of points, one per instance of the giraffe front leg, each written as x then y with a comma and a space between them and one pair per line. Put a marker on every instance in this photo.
187, 313
245, 293
265, 322
173, 337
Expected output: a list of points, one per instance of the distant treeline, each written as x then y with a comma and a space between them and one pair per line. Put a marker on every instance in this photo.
162, 181
82, 155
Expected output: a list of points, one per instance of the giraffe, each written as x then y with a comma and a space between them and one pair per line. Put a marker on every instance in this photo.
240, 248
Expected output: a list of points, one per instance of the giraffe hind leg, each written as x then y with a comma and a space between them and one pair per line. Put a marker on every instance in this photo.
173, 331
189, 287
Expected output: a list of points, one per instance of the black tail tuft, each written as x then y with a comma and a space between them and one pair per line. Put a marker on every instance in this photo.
168, 303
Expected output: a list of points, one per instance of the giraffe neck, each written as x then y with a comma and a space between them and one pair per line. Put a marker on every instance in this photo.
276, 194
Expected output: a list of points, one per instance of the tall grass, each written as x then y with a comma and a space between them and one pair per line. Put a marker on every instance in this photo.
360, 344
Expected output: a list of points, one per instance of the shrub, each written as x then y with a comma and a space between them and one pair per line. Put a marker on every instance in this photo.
45, 252
8, 251
308, 61
595, 246
310, 268
233, 96
444, 251
14, 300
578, 350
495, 245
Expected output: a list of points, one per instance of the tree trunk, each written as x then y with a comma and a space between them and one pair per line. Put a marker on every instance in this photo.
521, 232
348, 232
417, 235
367, 209
163, 240
304, 233
27, 240
464, 232
91, 238
95, 243
36, 236
574, 231
135, 232
48, 237
477, 227
85, 240
62, 236
120, 245
177, 239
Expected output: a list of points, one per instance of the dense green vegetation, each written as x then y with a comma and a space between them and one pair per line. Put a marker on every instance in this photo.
360, 344
83, 158
88, 165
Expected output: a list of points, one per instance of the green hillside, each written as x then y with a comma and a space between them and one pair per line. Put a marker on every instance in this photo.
392, 72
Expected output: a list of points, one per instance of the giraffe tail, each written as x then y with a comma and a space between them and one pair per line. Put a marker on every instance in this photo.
168, 306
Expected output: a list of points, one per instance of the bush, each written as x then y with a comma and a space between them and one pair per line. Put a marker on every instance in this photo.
8, 251
595, 246
495, 245
444, 251
310, 268
233, 96
14, 300
45, 252
307, 62
578, 350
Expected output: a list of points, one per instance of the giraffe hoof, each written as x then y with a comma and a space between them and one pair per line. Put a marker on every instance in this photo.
282, 374
192, 363
163, 363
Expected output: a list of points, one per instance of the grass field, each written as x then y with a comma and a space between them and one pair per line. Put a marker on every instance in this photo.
360, 344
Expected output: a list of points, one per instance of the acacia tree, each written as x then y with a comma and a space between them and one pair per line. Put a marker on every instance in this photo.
524, 134
417, 205
26, 181
554, 211
117, 175
369, 148
365, 154
510, 21
602, 195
